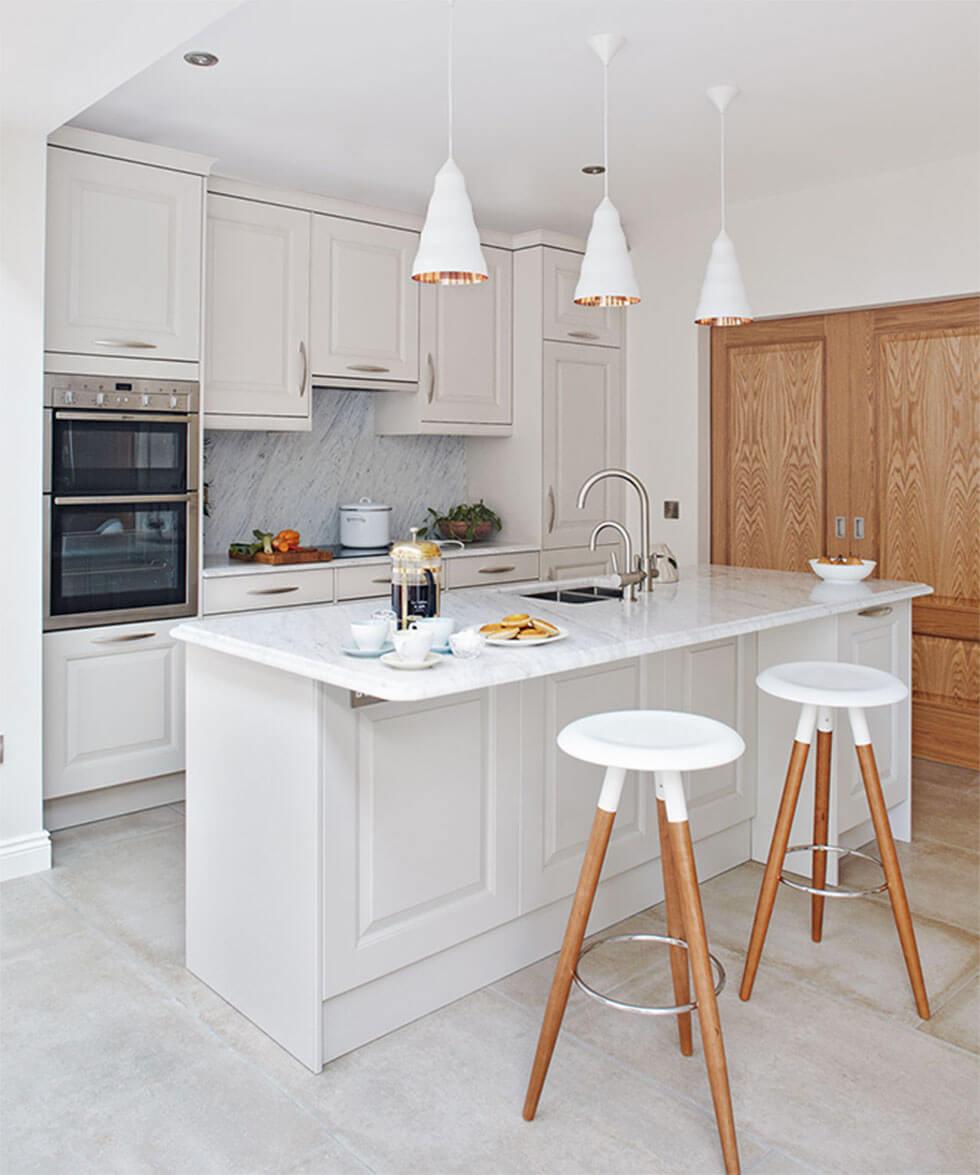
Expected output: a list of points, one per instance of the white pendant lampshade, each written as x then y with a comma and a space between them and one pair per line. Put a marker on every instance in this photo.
449, 248
449, 251
606, 277
723, 301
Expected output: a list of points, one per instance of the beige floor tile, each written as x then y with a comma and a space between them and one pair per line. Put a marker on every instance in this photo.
31, 913
945, 774
958, 1020
333, 1159
837, 1085
946, 814
776, 1162
859, 957
69, 843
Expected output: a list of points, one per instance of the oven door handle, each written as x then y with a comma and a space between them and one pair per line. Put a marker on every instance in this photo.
124, 499
151, 417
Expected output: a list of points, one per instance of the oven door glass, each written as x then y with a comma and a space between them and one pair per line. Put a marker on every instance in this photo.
116, 556
109, 454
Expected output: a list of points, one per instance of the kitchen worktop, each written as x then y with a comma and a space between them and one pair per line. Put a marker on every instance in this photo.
221, 565
709, 603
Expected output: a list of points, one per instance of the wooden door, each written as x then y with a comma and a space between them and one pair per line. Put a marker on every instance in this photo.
365, 321
466, 348
582, 433
123, 258
769, 449
258, 313
924, 378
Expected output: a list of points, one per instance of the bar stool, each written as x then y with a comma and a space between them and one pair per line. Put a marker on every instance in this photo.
665, 743
820, 687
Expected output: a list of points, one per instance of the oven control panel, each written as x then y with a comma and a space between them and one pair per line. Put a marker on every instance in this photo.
120, 395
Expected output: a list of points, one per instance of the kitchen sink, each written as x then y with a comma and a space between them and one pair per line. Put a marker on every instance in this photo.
576, 595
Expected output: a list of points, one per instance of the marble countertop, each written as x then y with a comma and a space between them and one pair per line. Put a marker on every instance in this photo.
709, 603
219, 565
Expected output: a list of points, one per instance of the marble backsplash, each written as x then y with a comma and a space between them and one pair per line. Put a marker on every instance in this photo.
273, 480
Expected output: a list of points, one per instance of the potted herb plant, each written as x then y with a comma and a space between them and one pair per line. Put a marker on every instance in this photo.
468, 523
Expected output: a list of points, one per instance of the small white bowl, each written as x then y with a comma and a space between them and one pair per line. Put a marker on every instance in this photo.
843, 572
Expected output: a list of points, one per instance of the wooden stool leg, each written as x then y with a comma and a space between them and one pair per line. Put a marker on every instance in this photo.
571, 946
675, 928
821, 813
774, 864
893, 875
704, 989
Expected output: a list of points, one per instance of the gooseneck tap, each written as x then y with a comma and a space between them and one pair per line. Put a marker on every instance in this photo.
644, 563
629, 578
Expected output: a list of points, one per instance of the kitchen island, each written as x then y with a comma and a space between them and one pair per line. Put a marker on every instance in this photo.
365, 845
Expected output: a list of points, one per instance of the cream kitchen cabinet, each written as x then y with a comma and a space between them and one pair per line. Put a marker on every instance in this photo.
257, 316
579, 562
365, 324
562, 320
113, 706
583, 423
123, 258
466, 381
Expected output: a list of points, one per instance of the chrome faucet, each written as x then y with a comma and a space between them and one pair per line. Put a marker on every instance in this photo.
628, 578
644, 563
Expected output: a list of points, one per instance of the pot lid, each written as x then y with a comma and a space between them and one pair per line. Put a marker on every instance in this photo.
365, 504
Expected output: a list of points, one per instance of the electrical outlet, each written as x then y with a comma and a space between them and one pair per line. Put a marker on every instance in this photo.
672, 509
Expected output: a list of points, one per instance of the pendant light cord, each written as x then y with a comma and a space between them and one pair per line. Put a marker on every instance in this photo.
449, 73
605, 129
722, 171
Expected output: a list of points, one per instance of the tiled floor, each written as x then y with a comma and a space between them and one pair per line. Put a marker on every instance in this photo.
116, 1060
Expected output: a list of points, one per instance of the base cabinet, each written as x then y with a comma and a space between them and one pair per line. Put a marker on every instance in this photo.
113, 706
579, 562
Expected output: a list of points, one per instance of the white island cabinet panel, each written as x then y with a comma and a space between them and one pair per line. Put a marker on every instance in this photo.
431, 792
561, 793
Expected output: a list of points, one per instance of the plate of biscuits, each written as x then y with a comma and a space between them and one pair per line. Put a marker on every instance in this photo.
520, 630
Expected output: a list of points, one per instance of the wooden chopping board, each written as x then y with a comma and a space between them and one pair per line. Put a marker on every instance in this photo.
300, 555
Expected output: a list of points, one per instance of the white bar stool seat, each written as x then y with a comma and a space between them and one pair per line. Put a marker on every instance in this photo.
665, 743
820, 688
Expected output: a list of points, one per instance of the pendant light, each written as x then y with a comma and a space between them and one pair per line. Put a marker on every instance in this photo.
606, 277
723, 301
449, 252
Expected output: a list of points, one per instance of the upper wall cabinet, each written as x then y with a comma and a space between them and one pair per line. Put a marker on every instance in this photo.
565, 322
365, 324
257, 316
466, 358
123, 258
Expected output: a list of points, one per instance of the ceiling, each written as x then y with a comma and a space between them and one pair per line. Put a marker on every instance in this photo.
348, 98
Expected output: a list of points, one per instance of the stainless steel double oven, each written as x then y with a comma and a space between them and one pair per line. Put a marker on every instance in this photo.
121, 500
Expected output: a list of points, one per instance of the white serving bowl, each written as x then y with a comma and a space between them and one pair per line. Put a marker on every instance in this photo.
843, 572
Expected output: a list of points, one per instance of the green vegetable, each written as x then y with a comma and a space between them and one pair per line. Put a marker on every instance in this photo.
472, 515
265, 538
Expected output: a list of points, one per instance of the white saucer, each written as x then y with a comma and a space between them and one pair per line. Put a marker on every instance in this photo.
354, 651
444, 649
395, 662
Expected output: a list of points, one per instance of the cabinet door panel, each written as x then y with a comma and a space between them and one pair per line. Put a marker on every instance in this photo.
582, 433
563, 320
466, 348
113, 707
365, 305
258, 310
579, 562
123, 258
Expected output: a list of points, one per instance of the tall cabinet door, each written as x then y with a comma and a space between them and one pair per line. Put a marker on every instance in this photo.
926, 395
466, 348
123, 258
365, 321
768, 445
582, 432
257, 323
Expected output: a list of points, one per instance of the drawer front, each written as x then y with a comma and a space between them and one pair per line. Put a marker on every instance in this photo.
484, 569
363, 583
270, 589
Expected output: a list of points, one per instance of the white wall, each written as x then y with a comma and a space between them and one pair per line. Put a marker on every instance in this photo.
894, 237
56, 57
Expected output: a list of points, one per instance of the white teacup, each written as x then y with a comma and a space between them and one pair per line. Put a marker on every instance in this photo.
441, 627
369, 635
467, 643
413, 644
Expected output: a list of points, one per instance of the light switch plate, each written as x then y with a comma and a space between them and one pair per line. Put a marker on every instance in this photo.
672, 509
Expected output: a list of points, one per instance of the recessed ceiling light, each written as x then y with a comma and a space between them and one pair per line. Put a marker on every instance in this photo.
198, 57
594, 169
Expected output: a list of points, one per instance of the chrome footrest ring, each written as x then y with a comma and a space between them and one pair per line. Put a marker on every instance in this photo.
644, 1009
838, 891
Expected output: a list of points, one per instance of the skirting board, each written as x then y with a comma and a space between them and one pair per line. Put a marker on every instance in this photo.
24, 855
374, 1009
105, 802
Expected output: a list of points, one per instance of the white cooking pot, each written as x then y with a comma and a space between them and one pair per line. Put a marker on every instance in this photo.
365, 524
